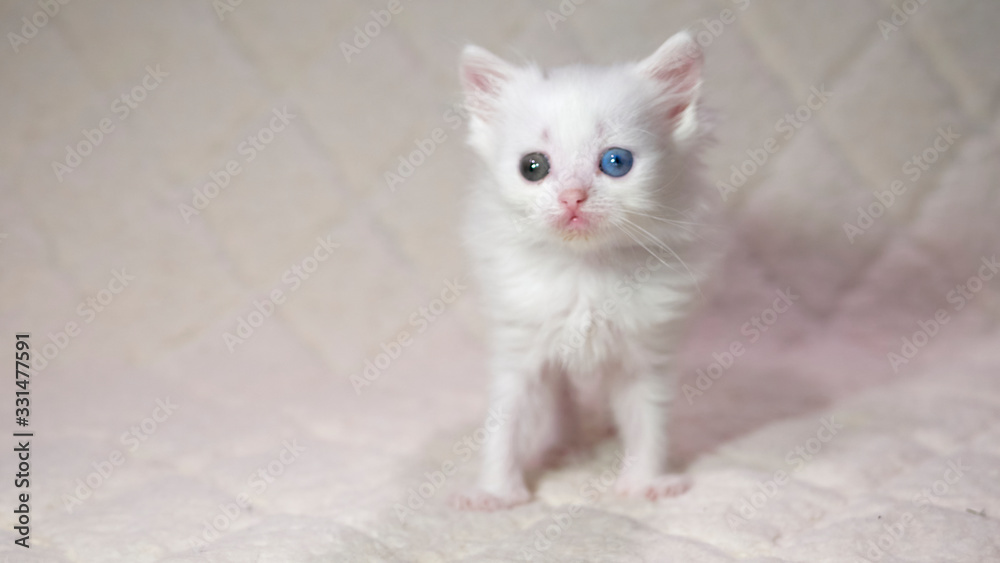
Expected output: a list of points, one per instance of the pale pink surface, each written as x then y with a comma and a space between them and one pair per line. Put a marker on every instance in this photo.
323, 176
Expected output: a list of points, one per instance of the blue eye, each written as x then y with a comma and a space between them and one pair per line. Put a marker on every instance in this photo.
616, 162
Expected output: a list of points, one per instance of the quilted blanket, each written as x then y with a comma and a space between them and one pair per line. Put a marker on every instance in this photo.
228, 233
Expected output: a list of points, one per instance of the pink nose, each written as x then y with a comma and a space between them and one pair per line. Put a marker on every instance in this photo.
572, 198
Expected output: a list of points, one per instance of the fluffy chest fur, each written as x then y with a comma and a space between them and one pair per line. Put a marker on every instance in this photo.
587, 314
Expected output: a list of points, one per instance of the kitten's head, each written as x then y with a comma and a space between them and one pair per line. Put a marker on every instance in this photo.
588, 156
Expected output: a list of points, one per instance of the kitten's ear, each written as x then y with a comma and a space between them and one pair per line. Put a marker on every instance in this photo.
677, 66
483, 76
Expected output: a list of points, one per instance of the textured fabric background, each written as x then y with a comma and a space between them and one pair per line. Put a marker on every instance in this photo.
198, 230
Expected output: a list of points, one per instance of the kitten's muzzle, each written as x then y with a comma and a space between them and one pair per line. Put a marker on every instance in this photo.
572, 199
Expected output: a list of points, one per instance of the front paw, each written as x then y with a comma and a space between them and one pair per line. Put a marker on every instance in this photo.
655, 487
480, 500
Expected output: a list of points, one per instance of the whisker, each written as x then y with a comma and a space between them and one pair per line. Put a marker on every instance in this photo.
682, 224
646, 248
680, 212
666, 247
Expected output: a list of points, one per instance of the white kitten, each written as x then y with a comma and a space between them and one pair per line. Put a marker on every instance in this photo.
578, 229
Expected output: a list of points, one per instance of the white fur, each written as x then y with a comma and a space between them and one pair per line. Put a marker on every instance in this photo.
594, 313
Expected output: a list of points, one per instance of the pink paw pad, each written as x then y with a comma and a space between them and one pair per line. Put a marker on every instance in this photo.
661, 486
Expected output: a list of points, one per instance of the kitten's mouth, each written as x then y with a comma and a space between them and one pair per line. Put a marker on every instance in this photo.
576, 225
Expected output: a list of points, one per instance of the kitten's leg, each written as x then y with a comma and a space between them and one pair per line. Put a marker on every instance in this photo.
640, 407
516, 400
539, 429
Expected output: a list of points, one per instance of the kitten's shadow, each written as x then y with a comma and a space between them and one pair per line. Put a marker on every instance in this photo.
738, 403
591, 433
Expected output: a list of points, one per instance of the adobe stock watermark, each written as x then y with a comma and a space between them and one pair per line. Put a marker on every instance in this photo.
543, 201
958, 297
914, 168
566, 8
131, 440
366, 33
711, 30
901, 14
753, 330
751, 504
786, 128
624, 290
463, 450
589, 492
876, 549
421, 319
292, 278
31, 25
249, 148
121, 107
87, 310
256, 484
424, 147
225, 7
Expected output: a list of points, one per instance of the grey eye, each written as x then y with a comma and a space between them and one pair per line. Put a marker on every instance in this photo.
534, 166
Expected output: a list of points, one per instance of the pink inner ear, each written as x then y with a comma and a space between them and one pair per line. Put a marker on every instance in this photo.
681, 76
480, 88
481, 80
676, 110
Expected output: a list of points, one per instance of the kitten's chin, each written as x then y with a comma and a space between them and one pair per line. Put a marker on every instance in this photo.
579, 224
580, 232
